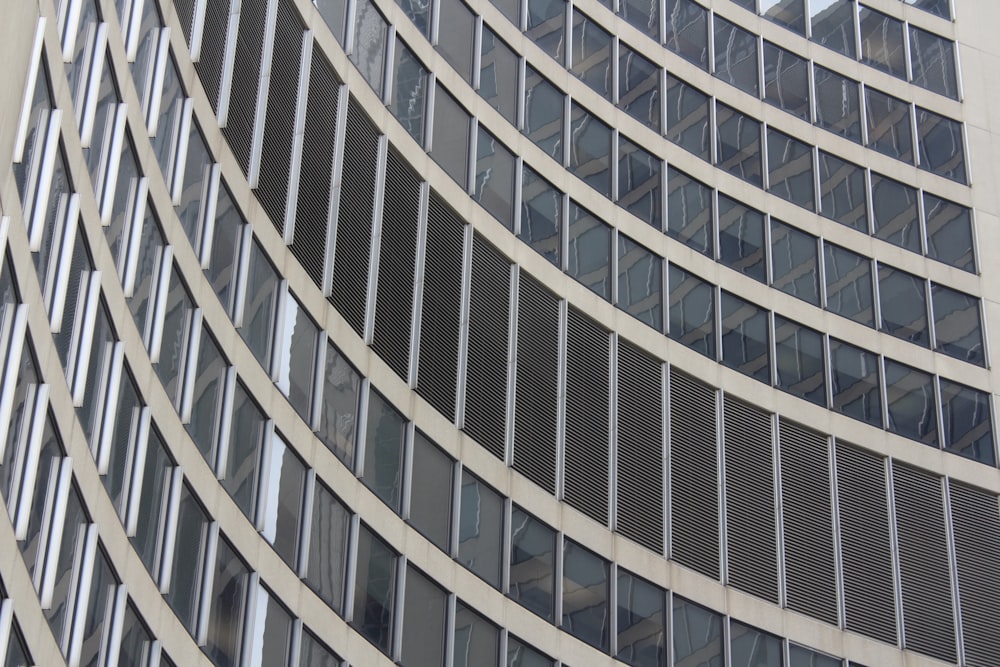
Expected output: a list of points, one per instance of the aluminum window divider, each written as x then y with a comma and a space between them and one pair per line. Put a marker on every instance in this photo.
463, 335
295, 642
518, 202
362, 428
385, 94
241, 274
153, 88
278, 331
165, 557
828, 371
14, 326
938, 411
57, 280
418, 286
265, 474
112, 639
557, 584
472, 155
336, 183
298, 137
209, 205
406, 481
350, 16
68, 18
155, 653
225, 424
179, 151
159, 296
614, 264
6, 624
206, 581
319, 381
74, 630
228, 62
107, 177
83, 336
197, 29
772, 348
40, 180
94, 63
128, 260
897, 577
613, 156
565, 131
456, 509
188, 372
376, 240
931, 320
131, 20
305, 538
56, 502
510, 403
477, 50
263, 88
26, 461
883, 395
27, 97
505, 544
352, 567
132, 495
613, 605
108, 403
396, 630
449, 632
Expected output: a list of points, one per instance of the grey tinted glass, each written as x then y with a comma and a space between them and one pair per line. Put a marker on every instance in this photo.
790, 169
409, 91
60, 612
197, 171
225, 249
585, 595
888, 120
259, 309
786, 80
639, 87
936, 7
639, 188
941, 146
957, 326
124, 431
450, 147
750, 647
520, 654
272, 632
640, 282
745, 337
799, 656
838, 107
687, 30
894, 213
968, 429
882, 42
591, 55
456, 28
327, 548
641, 621
431, 491
532, 563
692, 311
848, 284
246, 436
498, 69
175, 335
135, 645
932, 60
736, 56
281, 512
97, 615
697, 635
589, 246
949, 232
904, 304
842, 192
479, 529
339, 406
370, 33
688, 117
314, 654
157, 469
511, 9
854, 379
334, 13
476, 641
789, 13
541, 215
799, 362
188, 557
794, 262
741, 238
168, 123
296, 361
374, 589
833, 24
228, 607
425, 611
495, 178
384, 437
689, 212
590, 149
543, 114
209, 386
910, 401
48, 465
547, 26
643, 14
738, 144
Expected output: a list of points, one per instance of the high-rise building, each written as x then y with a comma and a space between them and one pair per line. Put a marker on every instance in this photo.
522, 332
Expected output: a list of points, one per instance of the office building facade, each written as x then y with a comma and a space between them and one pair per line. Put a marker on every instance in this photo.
523, 332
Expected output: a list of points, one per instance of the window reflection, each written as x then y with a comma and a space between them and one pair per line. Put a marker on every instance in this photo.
854, 378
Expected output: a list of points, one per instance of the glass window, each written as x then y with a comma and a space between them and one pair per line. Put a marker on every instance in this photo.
121, 444
909, 397
68, 562
838, 107
225, 251
334, 13
207, 394
904, 304
374, 589
136, 643
790, 169
949, 232
543, 113
32, 501
741, 238
313, 653
338, 414
590, 149
259, 310
688, 117
736, 56
800, 656
384, 438
936, 7
692, 311
188, 560
100, 601
450, 139
105, 107
799, 357
425, 614
589, 259
786, 80
941, 146
640, 282
476, 641
541, 215
171, 110
273, 627
848, 284
370, 36
532, 563
409, 90
689, 212
547, 26
328, 548
197, 174
738, 144
932, 61
296, 360
431, 491
520, 654
967, 426
842, 192
456, 28
498, 68
123, 205
745, 339
641, 621
643, 15
227, 609
638, 86
794, 262
639, 190
585, 595
509, 8
882, 42
833, 24
495, 178
888, 120
697, 635
418, 11
176, 334
479, 529
37, 121
246, 436
957, 326
750, 647
591, 54
894, 213
91, 410
789, 13
150, 514
282, 499
687, 30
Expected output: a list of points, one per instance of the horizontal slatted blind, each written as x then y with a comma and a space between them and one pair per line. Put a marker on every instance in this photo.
246, 78
537, 383
810, 568
976, 520
865, 543
640, 511
354, 218
397, 259
441, 315
928, 619
694, 481
213, 47
585, 477
750, 500
315, 178
485, 417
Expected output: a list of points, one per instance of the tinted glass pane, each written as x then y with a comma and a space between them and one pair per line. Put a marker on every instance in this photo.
894, 213
888, 120
259, 309
736, 56
209, 387
425, 611
272, 632
281, 513
854, 379
786, 80
590, 150
328, 548
585, 595
932, 61
936, 7
296, 358
949, 232
957, 326
799, 361
339, 406
431, 491
479, 529
197, 173
334, 13
643, 14
688, 117
370, 32
741, 238
374, 588
904, 304
520, 654
697, 635
225, 249
837, 104
639, 189
833, 24
689, 212
477, 641
543, 114
589, 258
591, 55
188, 559
135, 646
789, 13
794, 262
848, 284
790, 169
687, 30
245, 440
639, 87
450, 143
124, 431
409, 81
156, 476
541, 215
175, 335
799, 656
750, 647
641, 622
882, 42
910, 401
384, 437
738, 144
745, 337
228, 607
456, 28
495, 178
532, 563
100, 603
967, 426
842, 192
640, 282
547, 26
692, 311
498, 67
941, 147
313, 653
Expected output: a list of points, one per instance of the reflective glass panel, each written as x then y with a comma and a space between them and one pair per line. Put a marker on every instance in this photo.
176, 334
456, 31
227, 608
327, 558
692, 311
639, 87
738, 144
689, 212
409, 90
736, 56
313, 653
790, 169
941, 147
585, 595
745, 339
498, 68
904, 304
450, 138
799, 361
894, 213
476, 641
296, 359
520, 654
541, 215
794, 262
425, 616
590, 149
197, 174
687, 30
281, 510
246, 436
833, 24
100, 605
789, 13
206, 403
936, 7
641, 621
384, 438
225, 249
688, 123
968, 429
261, 303
479, 529
643, 14
273, 627
949, 232
800, 656
888, 120
842, 192
639, 190
543, 113
495, 178
589, 259
547, 26
741, 238
932, 61
532, 563
188, 560
334, 13
431, 491
338, 414
591, 55
640, 282
786, 80
838, 106
848, 284
697, 635
882, 42
136, 643
910, 401
374, 589
123, 434
370, 36
957, 327
156, 477
750, 647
